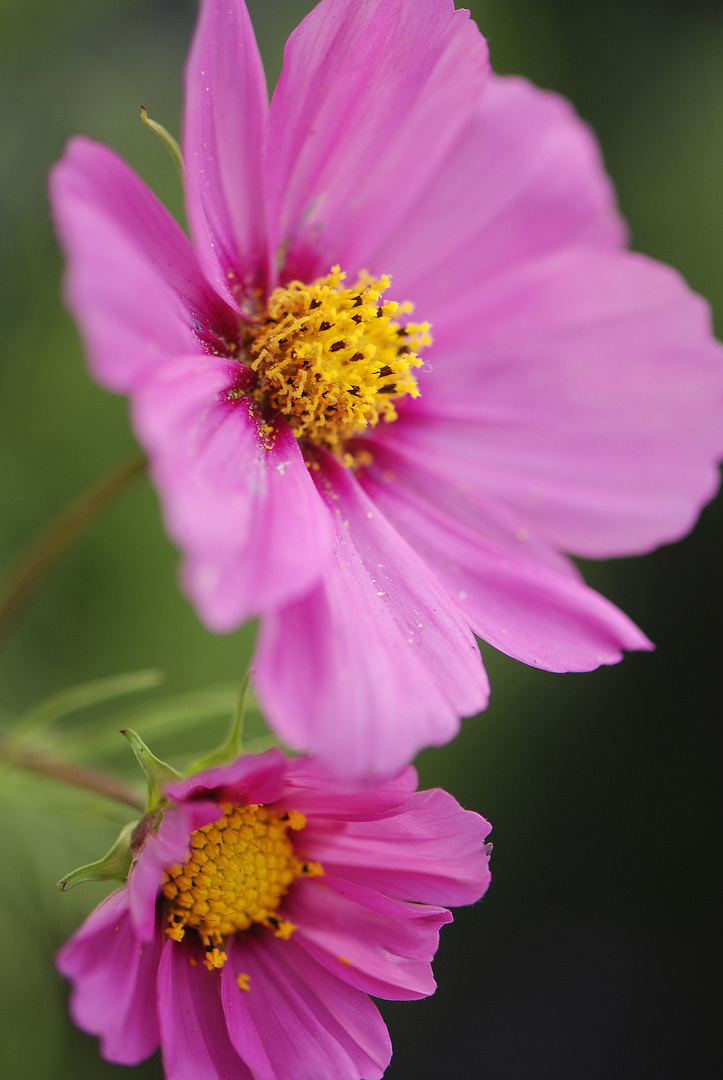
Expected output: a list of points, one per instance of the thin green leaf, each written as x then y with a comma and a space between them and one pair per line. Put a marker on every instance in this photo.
172, 716
60, 705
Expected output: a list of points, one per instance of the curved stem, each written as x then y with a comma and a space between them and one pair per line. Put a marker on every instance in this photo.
71, 773
59, 535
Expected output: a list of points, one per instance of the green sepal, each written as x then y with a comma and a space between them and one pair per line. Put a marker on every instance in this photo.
157, 772
166, 138
231, 747
114, 866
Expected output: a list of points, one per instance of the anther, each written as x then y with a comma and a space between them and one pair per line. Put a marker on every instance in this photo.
240, 868
306, 374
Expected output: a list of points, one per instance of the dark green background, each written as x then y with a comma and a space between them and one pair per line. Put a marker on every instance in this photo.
591, 955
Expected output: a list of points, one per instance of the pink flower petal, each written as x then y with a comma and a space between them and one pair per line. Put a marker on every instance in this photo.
381, 946
371, 97
527, 609
252, 778
163, 847
223, 135
194, 1037
114, 981
430, 851
133, 280
523, 178
297, 1020
583, 391
409, 465
311, 789
239, 502
375, 662
282, 1009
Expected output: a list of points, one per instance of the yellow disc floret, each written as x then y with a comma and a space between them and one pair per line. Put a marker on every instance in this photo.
240, 869
334, 360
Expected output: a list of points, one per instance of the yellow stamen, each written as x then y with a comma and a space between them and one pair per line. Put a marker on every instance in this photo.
296, 820
242, 981
240, 869
283, 928
333, 360
215, 959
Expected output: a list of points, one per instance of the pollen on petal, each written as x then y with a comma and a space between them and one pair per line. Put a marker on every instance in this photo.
215, 959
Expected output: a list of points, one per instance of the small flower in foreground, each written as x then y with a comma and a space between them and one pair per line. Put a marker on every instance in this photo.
373, 489
262, 912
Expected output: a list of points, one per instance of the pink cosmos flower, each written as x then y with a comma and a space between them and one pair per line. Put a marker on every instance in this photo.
374, 507
261, 913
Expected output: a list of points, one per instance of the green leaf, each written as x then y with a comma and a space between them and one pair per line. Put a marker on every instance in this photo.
60, 705
172, 716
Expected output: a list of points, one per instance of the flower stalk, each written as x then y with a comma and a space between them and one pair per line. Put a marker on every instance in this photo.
69, 772
60, 534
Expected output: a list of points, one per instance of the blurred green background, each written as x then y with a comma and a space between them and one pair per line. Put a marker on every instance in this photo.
592, 953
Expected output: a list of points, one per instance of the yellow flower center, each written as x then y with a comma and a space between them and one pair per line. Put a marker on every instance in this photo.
334, 360
240, 869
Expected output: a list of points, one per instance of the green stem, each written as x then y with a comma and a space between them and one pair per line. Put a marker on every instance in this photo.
70, 773
59, 535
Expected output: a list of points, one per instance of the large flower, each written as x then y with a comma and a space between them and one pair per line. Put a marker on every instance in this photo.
261, 913
377, 508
